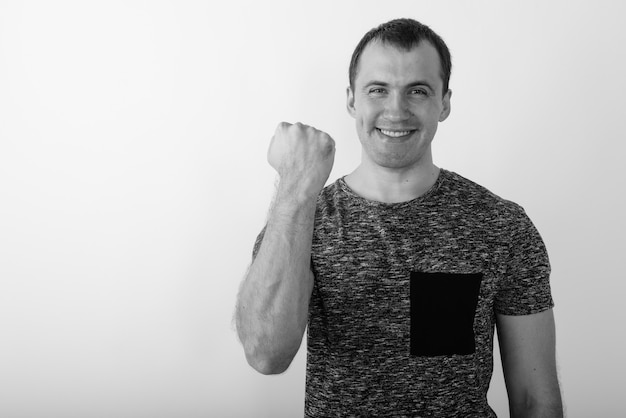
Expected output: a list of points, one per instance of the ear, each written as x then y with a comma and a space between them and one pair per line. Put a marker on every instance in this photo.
350, 101
445, 112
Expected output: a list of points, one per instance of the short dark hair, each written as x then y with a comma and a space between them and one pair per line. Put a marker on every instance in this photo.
405, 34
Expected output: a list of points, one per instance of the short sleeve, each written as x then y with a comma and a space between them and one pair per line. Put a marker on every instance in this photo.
525, 287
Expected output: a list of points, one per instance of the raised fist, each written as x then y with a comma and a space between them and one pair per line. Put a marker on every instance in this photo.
303, 156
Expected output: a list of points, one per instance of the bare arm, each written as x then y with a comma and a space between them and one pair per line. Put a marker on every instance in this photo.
272, 307
527, 346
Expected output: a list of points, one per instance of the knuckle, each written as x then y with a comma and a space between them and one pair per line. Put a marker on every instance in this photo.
282, 126
327, 138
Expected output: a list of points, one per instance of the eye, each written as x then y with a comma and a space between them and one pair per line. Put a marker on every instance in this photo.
420, 92
376, 91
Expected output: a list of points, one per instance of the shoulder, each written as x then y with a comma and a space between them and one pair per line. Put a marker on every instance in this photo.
460, 191
331, 190
333, 197
505, 220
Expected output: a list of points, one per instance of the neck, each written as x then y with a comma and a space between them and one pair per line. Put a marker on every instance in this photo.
390, 185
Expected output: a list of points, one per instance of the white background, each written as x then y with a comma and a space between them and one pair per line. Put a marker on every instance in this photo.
133, 182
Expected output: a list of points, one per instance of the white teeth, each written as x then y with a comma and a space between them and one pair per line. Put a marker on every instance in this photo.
395, 134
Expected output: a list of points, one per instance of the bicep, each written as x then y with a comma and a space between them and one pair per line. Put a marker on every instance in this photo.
527, 347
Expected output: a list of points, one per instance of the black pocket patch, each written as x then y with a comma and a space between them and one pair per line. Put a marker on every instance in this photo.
443, 306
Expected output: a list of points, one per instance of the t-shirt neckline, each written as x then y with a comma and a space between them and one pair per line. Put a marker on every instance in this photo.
443, 174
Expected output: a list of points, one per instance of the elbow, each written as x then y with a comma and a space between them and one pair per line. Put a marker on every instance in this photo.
547, 406
268, 364
269, 354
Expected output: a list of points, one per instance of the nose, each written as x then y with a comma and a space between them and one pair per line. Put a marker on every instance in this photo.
397, 108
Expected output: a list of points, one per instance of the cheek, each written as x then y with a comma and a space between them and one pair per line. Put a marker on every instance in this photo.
367, 117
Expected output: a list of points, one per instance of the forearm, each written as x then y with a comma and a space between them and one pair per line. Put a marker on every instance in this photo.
273, 302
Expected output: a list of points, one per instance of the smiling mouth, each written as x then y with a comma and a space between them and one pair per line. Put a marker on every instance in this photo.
394, 133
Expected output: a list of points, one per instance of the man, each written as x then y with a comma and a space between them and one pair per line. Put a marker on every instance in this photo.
401, 270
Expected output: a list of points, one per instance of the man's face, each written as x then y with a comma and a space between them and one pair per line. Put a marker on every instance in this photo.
397, 103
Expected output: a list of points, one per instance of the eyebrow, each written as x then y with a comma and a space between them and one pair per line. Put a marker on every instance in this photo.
411, 84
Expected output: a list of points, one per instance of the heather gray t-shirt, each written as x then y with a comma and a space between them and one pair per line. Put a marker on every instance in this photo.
402, 315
